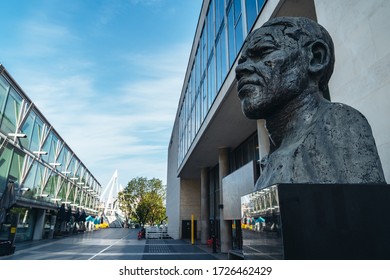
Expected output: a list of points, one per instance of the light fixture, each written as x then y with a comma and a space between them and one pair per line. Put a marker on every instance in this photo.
74, 178
80, 183
40, 152
55, 163
56, 199
24, 189
65, 172
44, 195
67, 202
74, 204
17, 135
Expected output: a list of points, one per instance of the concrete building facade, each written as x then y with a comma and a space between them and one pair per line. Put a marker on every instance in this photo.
214, 150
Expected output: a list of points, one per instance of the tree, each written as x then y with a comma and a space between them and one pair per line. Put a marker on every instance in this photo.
143, 200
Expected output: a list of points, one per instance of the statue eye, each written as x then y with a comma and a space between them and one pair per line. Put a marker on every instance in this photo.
261, 51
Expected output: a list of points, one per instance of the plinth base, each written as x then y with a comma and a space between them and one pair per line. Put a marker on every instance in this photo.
310, 221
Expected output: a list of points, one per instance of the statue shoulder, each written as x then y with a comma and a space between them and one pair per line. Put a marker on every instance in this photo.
344, 149
344, 116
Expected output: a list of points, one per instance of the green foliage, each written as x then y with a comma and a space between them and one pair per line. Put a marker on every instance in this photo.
143, 200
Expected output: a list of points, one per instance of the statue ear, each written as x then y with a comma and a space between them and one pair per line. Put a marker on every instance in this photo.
319, 56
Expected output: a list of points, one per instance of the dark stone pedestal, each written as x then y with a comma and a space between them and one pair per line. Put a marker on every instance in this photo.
307, 221
5, 247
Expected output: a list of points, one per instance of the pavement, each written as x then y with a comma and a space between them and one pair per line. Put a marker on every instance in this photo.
111, 244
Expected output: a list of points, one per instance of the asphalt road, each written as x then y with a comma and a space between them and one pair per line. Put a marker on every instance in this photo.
110, 244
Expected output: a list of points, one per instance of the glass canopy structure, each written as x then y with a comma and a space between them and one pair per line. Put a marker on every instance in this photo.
33, 156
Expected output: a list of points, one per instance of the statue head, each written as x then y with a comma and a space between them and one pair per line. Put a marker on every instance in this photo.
285, 58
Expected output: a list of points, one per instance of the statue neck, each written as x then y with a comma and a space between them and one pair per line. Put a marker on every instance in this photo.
289, 120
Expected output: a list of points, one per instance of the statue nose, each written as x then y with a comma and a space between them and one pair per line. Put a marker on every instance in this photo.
244, 67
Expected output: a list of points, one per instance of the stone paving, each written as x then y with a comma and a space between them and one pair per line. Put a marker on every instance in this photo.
111, 244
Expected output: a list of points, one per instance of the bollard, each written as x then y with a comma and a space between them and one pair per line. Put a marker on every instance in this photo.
214, 244
12, 233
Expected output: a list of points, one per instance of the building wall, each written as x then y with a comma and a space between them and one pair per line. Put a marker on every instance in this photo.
361, 77
236, 185
190, 201
173, 188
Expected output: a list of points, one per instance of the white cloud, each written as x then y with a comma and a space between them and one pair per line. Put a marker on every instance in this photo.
128, 130
125, 127
43, 39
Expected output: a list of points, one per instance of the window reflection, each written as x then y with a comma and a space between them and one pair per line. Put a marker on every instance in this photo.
260, 210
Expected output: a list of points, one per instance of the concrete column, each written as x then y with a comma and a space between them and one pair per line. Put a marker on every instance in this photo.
204, 205
225, 227
53, 224
263, 138
39, 224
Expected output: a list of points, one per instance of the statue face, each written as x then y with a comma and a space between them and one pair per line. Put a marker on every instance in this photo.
271, 72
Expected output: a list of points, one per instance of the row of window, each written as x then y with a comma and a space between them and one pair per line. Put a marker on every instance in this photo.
36, 159
226, 24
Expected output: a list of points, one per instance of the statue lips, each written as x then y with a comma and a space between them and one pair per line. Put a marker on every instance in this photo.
246, 86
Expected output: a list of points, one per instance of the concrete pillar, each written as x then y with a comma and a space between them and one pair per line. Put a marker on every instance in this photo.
225, 227
39, 224
52, 226
204, 205
263, 138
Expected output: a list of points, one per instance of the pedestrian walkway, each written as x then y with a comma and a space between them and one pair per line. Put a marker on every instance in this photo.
111, 244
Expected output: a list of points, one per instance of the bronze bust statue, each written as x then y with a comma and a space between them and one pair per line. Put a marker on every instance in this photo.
282, 76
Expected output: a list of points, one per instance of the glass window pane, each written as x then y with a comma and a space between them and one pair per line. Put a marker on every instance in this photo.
62, 192
260, 4
71, 197
61, 160
29, 181
5, 160
221, 58
27, 129
211, 81
219, 13
4, 86
224, 63
36, 134
204, 51
251, 13
218, 62
12, 109
46, 147
65, 159
197, 69
15, 171
204, 102
237, 10
72, 167
50, 188
53, 149
210, 28
231, 32
198, 110
239, 35
38, 183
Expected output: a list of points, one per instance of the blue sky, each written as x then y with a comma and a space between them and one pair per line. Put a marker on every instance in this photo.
106, 74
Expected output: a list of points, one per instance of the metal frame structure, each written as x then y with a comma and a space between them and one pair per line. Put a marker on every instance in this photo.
64, 166
109, 196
